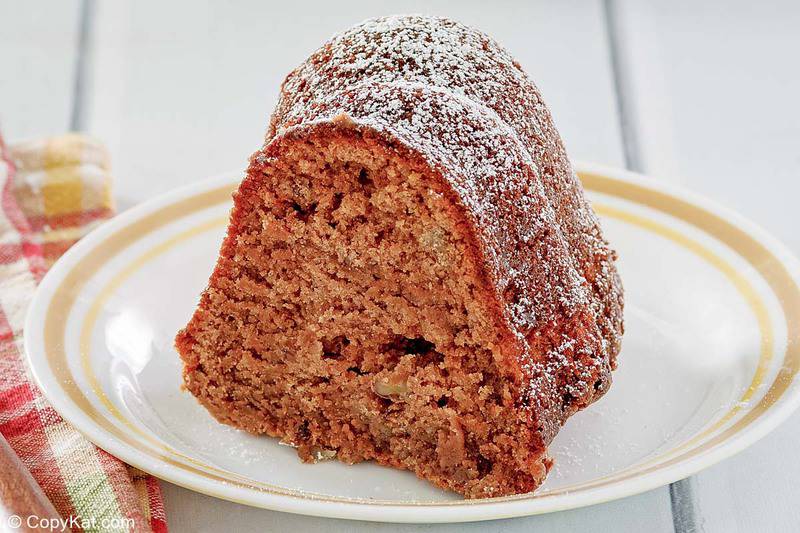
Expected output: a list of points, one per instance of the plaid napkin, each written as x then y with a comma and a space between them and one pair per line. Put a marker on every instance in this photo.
53, 192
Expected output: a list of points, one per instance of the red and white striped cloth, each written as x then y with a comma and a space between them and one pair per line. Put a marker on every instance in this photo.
53, 192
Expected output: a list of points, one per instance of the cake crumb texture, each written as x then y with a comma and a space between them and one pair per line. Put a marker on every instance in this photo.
411, 274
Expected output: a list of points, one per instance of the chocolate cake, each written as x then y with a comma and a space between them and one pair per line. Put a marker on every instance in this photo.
411, 273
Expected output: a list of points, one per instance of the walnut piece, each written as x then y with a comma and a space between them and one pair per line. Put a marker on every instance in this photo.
392, 387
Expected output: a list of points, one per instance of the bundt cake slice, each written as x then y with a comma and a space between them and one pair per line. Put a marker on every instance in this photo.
401, 280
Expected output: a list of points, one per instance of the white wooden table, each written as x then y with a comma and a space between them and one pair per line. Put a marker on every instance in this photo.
705, 94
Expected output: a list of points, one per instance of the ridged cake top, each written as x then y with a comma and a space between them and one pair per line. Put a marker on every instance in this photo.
434, 51
457, 98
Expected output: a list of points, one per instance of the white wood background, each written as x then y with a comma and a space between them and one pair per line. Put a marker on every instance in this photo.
705, 94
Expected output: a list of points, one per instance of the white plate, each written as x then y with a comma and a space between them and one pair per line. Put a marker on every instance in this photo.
709, 362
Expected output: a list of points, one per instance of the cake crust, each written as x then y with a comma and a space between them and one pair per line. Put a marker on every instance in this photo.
472, 302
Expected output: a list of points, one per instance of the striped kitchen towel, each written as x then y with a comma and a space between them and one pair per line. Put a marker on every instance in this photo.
53, 192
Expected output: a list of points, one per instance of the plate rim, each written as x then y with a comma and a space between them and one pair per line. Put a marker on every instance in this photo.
408, 512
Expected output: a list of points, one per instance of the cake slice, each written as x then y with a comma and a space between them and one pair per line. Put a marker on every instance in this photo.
411, 273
